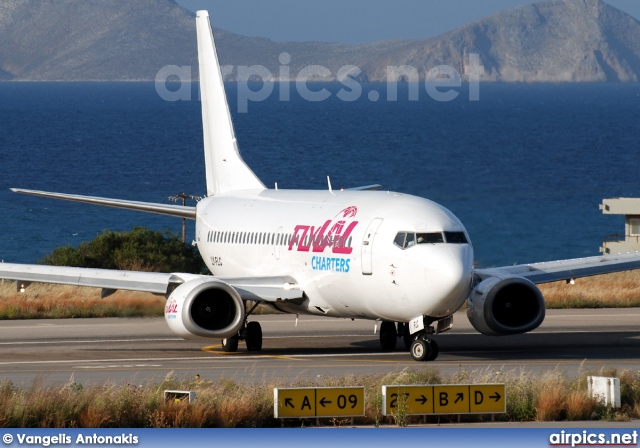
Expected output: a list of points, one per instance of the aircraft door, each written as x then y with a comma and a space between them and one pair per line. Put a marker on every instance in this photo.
367, 246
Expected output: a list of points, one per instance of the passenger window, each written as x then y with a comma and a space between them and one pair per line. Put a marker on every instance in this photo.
430, 238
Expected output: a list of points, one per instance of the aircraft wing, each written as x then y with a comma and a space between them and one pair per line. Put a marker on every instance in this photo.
260, 289
552, 271
161, 209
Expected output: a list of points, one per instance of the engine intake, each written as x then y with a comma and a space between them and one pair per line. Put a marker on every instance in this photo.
205, 307
505, 305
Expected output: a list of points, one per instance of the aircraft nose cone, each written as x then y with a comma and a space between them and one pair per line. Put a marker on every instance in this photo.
450, 280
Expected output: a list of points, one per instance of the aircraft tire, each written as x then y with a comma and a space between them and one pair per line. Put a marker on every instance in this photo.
420, 349
254, 337
408, 339
388, 336
230, 344
434, 350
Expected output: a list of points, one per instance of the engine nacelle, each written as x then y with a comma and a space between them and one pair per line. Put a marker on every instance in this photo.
205, 307
505, 305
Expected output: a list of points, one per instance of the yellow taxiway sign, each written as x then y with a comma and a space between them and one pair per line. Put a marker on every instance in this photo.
319, 402
444, 399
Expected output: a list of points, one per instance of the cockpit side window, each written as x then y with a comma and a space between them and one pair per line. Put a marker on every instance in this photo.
455, 237
400, 239
430, 238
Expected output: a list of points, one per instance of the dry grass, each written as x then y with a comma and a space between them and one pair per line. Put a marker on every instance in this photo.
46, 301
619, 290
228, 404
551, 397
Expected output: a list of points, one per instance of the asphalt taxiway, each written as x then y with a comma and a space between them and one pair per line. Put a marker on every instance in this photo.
140, 351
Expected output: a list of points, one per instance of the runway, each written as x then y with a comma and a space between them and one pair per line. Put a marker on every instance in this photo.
142, 351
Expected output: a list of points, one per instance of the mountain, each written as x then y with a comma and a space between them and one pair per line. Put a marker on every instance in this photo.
551, 41
93, 39
115, 40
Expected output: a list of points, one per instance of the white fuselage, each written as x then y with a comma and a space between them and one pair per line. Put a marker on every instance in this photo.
339, 247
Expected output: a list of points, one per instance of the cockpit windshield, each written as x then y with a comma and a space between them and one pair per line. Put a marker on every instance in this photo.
405, 240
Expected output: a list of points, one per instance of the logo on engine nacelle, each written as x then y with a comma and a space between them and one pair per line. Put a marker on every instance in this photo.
171, 309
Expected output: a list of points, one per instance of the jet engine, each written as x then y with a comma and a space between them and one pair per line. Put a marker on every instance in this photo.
505, 305
205, 307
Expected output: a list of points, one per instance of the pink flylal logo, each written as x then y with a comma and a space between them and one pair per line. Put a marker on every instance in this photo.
349, 212
334, 233
171, 307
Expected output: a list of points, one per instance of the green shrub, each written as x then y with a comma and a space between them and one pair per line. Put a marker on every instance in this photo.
139, 250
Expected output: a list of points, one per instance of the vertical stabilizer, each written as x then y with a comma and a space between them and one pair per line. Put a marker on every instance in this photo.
225, 169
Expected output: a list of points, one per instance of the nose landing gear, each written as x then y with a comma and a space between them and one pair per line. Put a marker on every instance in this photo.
419, 345
423, 349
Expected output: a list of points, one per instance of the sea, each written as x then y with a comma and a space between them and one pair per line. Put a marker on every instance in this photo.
524, 166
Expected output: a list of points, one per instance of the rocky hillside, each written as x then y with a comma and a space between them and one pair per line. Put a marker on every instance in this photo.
550, 41
93, 39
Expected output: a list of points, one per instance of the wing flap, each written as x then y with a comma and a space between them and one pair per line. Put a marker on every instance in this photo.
266, 289
553, 271
150, 207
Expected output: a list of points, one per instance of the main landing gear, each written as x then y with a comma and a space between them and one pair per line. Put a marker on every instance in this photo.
251, 333
419, 345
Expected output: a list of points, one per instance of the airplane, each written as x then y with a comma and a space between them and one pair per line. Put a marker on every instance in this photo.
357, 253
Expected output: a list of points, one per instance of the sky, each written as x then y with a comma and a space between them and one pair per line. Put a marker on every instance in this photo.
353, 21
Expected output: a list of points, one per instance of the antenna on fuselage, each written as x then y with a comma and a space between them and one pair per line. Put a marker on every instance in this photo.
329, 182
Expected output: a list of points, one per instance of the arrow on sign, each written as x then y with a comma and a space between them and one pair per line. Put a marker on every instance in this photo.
496, 397
324, 401
459, 397
288, 402
422, 400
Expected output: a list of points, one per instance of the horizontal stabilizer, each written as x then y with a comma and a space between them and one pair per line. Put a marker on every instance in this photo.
149, 207
366, 188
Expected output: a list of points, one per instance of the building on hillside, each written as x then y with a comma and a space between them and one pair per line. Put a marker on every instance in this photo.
630, 240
